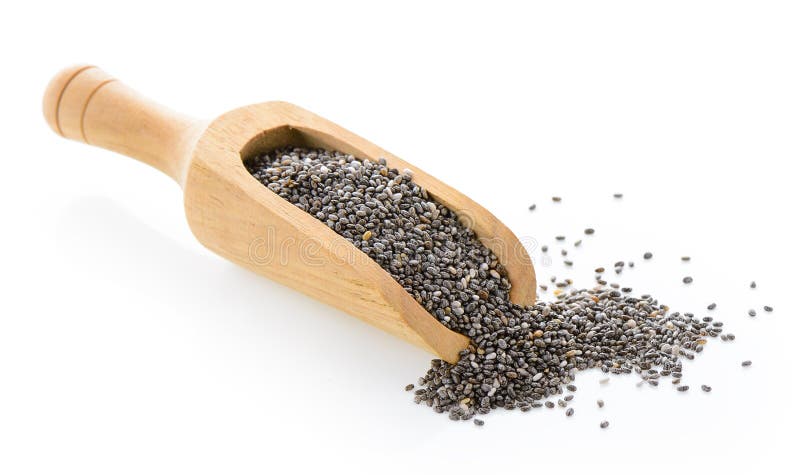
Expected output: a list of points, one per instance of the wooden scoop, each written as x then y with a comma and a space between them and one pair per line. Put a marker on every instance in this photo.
237, 217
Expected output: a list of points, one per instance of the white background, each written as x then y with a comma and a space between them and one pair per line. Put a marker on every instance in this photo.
126, 347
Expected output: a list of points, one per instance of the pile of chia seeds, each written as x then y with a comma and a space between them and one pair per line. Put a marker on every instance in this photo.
519, 356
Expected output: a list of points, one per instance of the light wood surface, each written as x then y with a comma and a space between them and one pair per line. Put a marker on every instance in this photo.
237, 217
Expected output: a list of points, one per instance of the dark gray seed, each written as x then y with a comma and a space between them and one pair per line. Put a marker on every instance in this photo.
753, 285
600, 270
600, 403
630, 264
588, 231
563, 252
578, 243
751, 312
683, 389
648, 255
520, 356
706, 388
767, 308
549, 404
557, 199
572, 387
570, 412
604, 424
478, 422
531, 207
409, 387
560, 238
569, 397
687, 280
617, 195
686, 258
712, 306
747, 363
568, 263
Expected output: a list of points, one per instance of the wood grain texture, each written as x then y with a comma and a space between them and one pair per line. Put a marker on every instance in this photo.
237, 217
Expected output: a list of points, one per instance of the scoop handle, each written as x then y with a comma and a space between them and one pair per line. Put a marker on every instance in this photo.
87, 104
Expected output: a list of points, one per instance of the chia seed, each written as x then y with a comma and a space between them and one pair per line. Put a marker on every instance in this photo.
518, 356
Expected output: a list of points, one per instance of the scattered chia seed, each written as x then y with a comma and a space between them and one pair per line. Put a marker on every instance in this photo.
753, 284
600, 270
767, 308
712, 306
588, 231
648, 255
531, 207
409, 387
478, 422
570, 412
560, 238
617, 195
556, 199
600, 403
683, 389
687, 280
605, 380
706, 388
686, 258
578, 243
604, 424
751, 312
746, 363
569, 397
549, 404
544, 248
